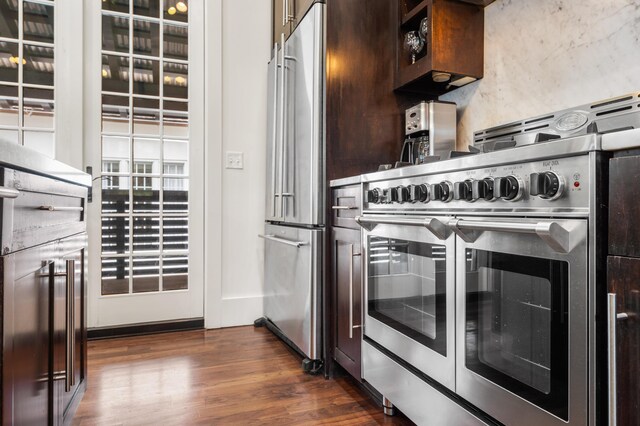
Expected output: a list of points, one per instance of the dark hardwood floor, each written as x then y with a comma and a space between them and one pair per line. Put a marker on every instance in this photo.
220, 377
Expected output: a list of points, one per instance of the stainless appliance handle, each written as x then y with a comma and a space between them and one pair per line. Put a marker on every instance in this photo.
70, 378
274, 136
61, 209
282, 121
434, 225
552, 233
351, 326
8, 192
285, 12
612, 319
273, 238
288, 16
344, 207
286, 192
381, 220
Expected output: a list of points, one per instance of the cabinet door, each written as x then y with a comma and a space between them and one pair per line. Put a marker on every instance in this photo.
280, 23
69, 337
624, 281
347, 290
624, 209
26, 278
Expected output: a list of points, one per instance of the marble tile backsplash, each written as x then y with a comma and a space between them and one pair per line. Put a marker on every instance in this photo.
546, 55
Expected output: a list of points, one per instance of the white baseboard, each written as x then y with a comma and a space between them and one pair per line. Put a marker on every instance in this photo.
240, 311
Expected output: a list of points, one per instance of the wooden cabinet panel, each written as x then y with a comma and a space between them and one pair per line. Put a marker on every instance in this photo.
69, 313
624, 208
624, 281
26, 331
347, 286
364, 117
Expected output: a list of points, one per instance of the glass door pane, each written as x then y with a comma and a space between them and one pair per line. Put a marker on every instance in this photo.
517, 325
27, 59
145, 146
407, 289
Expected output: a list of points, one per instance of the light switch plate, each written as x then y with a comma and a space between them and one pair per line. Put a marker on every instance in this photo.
234, 160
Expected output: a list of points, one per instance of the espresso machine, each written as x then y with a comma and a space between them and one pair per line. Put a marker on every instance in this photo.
430, 132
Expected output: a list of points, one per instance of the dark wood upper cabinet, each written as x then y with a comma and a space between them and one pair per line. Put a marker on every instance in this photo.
280, 22
286, 15
453, 51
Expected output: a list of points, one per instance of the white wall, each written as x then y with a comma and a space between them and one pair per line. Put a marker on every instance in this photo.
246, 33
546, 55
240, 52
69, 87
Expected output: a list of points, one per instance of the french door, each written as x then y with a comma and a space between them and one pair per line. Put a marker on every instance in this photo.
145, 144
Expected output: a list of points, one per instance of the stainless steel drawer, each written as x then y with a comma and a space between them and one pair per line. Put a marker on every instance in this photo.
36, 210
292, 284
345, 206
423, 404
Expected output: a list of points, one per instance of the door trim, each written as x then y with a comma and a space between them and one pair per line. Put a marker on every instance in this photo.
99, 333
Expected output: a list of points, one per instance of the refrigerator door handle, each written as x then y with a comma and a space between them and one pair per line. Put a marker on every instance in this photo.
296, 244
283, 138
286, 185
274, 136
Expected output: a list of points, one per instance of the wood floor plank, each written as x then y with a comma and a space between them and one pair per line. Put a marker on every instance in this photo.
230, 376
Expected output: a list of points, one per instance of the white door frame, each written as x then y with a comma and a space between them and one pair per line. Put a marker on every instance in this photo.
213, 172
107, 311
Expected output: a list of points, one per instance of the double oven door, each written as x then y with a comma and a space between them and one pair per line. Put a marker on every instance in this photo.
410, 292
522, 319
494, 309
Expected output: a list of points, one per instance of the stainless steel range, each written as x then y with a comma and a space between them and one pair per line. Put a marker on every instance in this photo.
481, 271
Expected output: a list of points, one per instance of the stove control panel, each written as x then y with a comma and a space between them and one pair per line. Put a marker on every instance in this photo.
554, 184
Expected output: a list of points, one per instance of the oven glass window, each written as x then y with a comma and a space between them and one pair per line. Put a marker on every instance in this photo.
517, 325
407, 286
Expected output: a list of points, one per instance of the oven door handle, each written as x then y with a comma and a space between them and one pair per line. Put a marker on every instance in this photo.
434, 225
555, 235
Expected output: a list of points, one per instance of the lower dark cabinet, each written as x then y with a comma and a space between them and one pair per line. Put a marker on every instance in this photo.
44, 333
69, 337
347, 281
624, 282
26, 335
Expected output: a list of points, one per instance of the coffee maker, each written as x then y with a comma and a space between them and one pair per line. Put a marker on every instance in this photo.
430, 132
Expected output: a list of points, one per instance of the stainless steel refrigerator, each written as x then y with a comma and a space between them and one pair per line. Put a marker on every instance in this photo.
295, 183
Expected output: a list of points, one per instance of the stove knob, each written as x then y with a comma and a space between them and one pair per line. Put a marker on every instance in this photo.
509, 188
442, 191
374, 196
392, 195
547, 185
403, 194
463, 190
419, 193
483, 189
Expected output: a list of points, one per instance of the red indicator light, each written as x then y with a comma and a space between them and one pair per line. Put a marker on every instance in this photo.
576, 184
